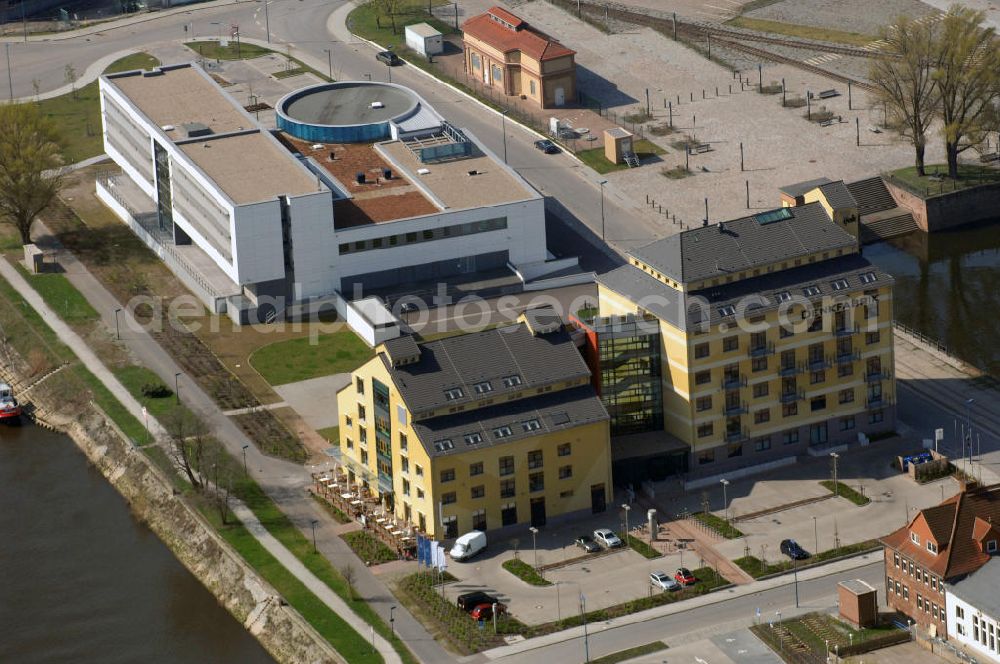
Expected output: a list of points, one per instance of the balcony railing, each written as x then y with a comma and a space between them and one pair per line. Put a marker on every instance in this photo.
736, 435
736, 408
876, 402
846, 331
790, 397
791, 369
817, 363
876, 376
850, 356
762, 350
733, 382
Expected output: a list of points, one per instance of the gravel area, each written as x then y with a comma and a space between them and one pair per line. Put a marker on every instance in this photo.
862, 16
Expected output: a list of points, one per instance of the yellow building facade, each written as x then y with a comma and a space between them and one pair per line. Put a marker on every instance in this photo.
776, 335
483, 431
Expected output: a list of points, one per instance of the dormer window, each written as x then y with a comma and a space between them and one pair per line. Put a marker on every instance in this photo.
932, 547
915, 538
483, 387
473, 438
991, 546
453, 394
839, 284
727, 310
868, 278
531, 425
502, 432
784, 296
811, 291
512, 381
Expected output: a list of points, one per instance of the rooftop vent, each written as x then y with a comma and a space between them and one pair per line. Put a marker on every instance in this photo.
423, 171
196, 129
772, 216
377, 104
167, 127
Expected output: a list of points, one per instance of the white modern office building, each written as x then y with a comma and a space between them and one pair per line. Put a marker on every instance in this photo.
973, 606
363, 187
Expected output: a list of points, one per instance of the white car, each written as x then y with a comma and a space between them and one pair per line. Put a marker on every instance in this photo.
663, 581
606, 537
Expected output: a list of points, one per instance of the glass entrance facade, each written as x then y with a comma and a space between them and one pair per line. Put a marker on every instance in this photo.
164, 204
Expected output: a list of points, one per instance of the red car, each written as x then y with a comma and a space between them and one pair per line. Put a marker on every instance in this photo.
485, 611
684, 576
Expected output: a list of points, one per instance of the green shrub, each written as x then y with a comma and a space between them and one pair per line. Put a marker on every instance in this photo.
847, 492
719, 525
156, 391
369, 549
525, 572
643, 548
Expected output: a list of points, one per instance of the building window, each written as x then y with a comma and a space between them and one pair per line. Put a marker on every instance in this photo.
735, 450
535, 459
959, 613
932, 547
473, 438
512, 381
348, 421
448, 498
784, 332
895, 559
758, 364
760, 390
420, 494
531, 87
359, 385
991, 546
845, 396
453, 394
703, 403
506, 465
420, 470
361, 413
762, 444
363, 436
564, 449
730, 344
703, 377
762, 416
790, 409
906, 593
872, 337
844, 370
934, 611
475, 469
350, 443
705, 430
478, 491
483, 387
477, 62
406, 487
876, 417
536, 482
508, 514
497, 74
706, 456
404, 444
404, 464
790, 438
817, 403
817, 434
364, 458
565, 472
700, 351
479, 520
915, 538
847, 423
531, 425
817, 377
502, 432
507, 488
448, 475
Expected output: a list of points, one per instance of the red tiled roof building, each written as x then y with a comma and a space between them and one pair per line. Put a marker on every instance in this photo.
940, 546
507, 54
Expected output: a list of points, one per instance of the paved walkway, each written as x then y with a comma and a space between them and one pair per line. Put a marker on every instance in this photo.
284, 482
314, 584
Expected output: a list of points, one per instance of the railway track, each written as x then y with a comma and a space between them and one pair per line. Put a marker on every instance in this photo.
732, 39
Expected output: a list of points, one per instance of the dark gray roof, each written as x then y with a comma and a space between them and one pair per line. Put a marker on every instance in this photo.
979, 589
838, 195
553, 411
734, 246
802, 188
766, 289
464, 361
402, 346
650, 294
687, 310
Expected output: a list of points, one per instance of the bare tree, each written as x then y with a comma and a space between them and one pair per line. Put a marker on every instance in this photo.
30, 163
903, 79
967, 77
69, 74
187, 438
350, 576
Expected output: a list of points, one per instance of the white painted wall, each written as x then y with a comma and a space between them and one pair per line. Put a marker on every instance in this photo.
258, 253
982, 652
314, 245
363, 325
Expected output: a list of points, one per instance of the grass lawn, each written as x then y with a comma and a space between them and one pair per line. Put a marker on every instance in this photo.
366, 22
332, 434
631, 653
817, 631
847, 492
525, 572
209, 48
937, 181
79, 115
643, 548
753, 566
300, 359
61, 296
719, 525
332, 510
595, 157
802, 31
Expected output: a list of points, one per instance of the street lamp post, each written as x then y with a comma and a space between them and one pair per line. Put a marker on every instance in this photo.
503, 130
602, 183
725, 499
968, 428
627, 508
245, 472
118, 332
534, 548
177, 394
836, 487
586, 639
816, 534
267, 22
329, 62
313, 523
558, 603
392, 621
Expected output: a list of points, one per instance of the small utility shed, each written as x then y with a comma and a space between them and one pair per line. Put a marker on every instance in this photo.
858, 601
424, 39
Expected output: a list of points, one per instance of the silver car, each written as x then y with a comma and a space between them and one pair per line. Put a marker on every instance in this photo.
606, 537
663, 581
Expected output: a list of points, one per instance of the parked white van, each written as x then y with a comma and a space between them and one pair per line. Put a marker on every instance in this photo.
468, 545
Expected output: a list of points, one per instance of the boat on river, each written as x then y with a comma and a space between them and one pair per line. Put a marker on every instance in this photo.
10, 409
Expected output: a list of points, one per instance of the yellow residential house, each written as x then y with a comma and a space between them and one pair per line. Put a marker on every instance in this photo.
505, 53
775, 335
478, 431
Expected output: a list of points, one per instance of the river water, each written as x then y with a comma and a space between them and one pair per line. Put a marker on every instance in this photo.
948, 288
82, 581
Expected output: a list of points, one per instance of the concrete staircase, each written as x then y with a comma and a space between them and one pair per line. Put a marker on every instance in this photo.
881, 217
